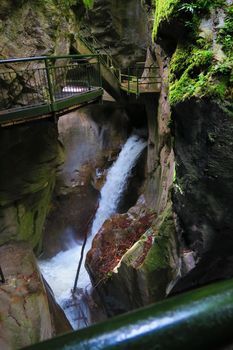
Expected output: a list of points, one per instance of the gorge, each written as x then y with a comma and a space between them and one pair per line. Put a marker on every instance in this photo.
142, 172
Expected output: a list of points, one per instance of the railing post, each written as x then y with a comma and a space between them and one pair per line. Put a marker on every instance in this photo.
99, 69
137, 92
119, 77
50, 85
88, 76
128, 82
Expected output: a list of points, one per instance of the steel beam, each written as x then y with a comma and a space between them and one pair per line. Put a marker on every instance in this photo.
200, 319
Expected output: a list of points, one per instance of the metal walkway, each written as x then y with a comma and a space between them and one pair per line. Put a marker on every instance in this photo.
133, 80
39, 87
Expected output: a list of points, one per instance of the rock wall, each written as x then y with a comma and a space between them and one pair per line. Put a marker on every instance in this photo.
124, 30
24, 310
200, 94
44, 28
194, 117
29, 158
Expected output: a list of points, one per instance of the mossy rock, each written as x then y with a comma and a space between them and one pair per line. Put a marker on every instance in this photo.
202, 66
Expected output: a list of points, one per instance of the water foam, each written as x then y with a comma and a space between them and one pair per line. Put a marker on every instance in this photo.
116, 181
60, 271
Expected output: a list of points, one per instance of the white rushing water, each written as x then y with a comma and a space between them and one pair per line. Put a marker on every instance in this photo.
116, 180
60, 271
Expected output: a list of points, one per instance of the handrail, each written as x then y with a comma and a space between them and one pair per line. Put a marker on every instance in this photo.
98, 47
200, 319
95, 46
47, 86
42, 58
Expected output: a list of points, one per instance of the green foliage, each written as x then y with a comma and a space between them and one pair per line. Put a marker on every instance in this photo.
225, 35
67, 4
88, 3
164, 9
195, 72
168, 9
158, 257
199, 67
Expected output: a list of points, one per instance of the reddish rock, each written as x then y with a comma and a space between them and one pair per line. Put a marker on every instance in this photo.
117, 235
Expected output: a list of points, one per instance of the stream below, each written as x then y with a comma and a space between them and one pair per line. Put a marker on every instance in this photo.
60, 270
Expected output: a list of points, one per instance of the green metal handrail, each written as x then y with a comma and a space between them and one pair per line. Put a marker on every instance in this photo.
200, 319
141, 79
43, 58
135, 74
36, 86
96, 47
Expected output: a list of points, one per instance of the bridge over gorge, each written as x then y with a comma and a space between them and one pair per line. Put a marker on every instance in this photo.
50, 86
39, 87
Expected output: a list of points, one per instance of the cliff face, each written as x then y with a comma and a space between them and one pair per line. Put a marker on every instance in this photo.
197, 41
24, 309
29, 157
124, 30
191, 132
44, 28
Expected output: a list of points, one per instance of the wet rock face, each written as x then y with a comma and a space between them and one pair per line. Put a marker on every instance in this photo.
29, 157
25, 317
41, 29
134, 259
160, 158
204, 186
124, 29
117, 235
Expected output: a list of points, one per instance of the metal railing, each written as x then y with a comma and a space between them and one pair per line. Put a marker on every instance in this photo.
141, 79
201, 319
96, 47
27, 83
137, 80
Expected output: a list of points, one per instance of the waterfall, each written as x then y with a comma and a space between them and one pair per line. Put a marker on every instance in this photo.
116, 181
60, 271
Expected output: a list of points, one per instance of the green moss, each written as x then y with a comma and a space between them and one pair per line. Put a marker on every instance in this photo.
69, 3
225, 34
164, 9
64, 5
159, 255
159, 266
188, 12
197, 71
32, 214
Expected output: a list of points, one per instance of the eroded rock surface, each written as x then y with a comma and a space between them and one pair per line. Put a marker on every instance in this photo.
29, 156
124, 31
134, 259
25, 317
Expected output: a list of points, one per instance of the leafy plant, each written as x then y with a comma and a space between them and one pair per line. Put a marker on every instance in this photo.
188, 7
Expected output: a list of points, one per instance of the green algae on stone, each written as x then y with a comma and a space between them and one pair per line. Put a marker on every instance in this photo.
160, 265
157, 257
203, 67
153, 259
166, 10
